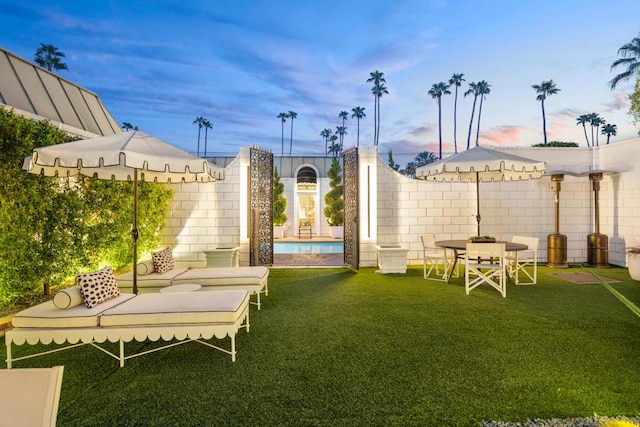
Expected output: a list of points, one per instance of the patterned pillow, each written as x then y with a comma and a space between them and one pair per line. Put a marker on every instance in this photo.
98, 286
163, 260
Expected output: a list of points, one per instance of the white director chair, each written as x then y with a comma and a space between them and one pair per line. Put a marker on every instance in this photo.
517, 262
485, 263
434, 258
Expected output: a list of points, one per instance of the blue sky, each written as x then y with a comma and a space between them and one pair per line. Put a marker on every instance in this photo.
238, 63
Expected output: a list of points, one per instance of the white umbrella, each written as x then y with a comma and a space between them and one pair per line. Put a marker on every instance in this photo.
481, 164
123, 157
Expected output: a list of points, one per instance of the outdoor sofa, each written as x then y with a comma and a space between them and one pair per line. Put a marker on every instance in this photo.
183, 316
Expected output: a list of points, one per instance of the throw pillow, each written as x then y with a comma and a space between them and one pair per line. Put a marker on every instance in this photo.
98, 286
145, 267
163, 260
68, 298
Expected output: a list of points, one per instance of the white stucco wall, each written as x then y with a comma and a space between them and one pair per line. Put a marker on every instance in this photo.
396, 210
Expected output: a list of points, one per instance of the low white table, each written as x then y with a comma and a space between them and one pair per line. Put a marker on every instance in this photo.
187, 287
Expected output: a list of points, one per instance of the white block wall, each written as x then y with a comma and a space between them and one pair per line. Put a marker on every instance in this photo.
396, 209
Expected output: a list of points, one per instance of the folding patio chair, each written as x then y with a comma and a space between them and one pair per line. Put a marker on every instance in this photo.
485, 263
30, 396
519, 261
435, 257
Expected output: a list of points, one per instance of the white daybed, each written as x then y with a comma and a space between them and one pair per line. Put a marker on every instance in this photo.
188, 316
252, 279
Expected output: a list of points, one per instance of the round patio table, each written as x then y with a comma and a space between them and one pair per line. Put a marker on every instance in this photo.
461, 245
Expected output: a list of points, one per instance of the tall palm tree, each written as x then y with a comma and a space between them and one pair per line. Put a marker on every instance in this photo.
596, 122
583, 120
630, 53
344, 115
334, 148
473, 90
207, 125
609, 129
326, 133
48, 56
378, 90
544, 90
283, 118
483, 90
292, 115
593, 117
126, 126
200, 122
341, 131
456, 80
436, 92
358, 113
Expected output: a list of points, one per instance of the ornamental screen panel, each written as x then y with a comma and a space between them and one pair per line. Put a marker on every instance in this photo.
351, 197
261, 207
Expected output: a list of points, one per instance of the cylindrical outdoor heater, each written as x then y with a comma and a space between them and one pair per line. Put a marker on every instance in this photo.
597, 243
556, 242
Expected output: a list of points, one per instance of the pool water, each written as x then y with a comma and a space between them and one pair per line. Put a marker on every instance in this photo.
308, 247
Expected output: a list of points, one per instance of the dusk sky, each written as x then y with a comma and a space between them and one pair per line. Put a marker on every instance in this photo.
159, 64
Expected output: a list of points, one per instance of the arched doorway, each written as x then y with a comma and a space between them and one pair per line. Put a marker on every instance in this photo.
306, 203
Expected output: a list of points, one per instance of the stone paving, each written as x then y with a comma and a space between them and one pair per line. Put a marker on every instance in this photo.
308, 260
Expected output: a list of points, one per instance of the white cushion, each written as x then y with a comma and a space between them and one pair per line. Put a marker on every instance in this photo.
68, 298
151, 280
256, 275
178, 308
47, 315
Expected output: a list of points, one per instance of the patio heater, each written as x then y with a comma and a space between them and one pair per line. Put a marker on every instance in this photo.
597, 243
556, 242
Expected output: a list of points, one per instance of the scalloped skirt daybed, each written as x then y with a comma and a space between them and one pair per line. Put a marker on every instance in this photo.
185, 317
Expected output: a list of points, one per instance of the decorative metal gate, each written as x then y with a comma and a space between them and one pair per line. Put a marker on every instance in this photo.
261, 207
351, 197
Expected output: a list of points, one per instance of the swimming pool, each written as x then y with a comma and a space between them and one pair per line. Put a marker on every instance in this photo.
308, 247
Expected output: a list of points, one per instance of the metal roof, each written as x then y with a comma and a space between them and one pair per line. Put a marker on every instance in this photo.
39, 94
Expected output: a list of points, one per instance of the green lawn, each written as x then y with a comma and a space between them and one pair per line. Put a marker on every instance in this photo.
336, 347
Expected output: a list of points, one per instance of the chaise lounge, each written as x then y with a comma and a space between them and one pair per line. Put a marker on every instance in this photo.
184, 316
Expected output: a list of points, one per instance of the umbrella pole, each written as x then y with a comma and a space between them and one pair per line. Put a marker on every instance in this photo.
478, 201
134, 231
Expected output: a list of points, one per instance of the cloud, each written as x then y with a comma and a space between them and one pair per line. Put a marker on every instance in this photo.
503, 135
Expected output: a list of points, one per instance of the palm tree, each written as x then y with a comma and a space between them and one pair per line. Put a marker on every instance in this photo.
292, 115
127, 126
483, 90
334, 148
410, 170
378, 89
283, 117
390, 162
358, 113
609, 130
436, 92
596, 122
424, 158
456, 80
583, 120
544, 90
630, 53
200, 122
326, 133
473, 90
341, 131
48, 56
207, 125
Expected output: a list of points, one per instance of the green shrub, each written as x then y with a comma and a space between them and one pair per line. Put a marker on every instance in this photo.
557, 144
51, 228
279, 201
334, 204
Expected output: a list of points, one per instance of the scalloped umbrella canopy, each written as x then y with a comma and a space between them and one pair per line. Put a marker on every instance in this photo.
123, 157
482, 164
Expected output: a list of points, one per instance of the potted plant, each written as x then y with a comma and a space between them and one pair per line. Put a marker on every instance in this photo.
279, 206
633, 261
334, 204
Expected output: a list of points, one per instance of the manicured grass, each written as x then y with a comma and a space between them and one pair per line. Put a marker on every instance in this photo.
336, 347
